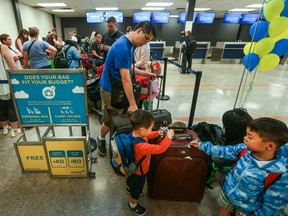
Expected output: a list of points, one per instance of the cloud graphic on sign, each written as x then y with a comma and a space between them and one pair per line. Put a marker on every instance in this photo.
78, 90
14, 81
21, 94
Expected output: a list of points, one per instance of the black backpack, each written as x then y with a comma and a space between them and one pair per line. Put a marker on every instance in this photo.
209, 132
60, 59
191, 46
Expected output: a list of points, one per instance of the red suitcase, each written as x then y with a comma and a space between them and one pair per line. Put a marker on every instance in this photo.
178, 174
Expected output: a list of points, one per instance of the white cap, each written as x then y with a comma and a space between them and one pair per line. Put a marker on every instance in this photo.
73, 38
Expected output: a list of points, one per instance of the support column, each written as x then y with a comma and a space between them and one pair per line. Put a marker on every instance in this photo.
17, 14
189, 12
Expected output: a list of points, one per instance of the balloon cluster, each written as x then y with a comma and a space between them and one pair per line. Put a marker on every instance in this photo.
269, 37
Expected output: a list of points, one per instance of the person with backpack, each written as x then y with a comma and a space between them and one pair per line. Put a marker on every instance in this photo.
72, 53
188, 48
257, 185
142, 123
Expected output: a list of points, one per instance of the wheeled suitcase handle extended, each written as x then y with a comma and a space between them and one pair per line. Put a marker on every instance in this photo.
184, 137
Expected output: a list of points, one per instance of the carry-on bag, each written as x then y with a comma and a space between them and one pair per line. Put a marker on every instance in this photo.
178, 174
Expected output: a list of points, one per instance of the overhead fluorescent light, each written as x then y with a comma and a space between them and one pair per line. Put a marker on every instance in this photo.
242, 9
106, 8
202, 9
174, 16
159, 4
51, 4
255, 6
63, 10
152, 8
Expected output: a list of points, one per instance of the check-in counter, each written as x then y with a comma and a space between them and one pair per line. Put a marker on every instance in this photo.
228, 50
157, 49
201, 51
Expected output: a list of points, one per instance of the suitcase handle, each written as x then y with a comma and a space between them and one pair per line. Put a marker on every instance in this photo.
184, 136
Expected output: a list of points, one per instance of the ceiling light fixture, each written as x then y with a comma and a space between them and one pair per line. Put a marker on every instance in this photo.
242, 9
158, 4
51, 4
174, 16
202, 9
106, 8
255, 6
152, 8
63, 10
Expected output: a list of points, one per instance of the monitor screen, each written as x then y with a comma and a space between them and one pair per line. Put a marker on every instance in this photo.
231, 18
160, 17
249, 18
182, 17
117, 14
141, 16
95, 17
205, 18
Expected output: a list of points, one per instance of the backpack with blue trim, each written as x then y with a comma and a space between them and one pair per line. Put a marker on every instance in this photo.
122, 153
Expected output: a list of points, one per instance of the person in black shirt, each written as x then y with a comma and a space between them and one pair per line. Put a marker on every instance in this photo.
111, 35
96, 49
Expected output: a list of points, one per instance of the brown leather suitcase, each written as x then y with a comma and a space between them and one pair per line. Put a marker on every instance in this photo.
178, 174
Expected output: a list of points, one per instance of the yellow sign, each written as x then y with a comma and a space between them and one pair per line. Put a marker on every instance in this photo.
32, 157
67, 157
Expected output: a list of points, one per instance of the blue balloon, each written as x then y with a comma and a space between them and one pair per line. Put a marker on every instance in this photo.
250, 61
285, 10
281, 47
259, 30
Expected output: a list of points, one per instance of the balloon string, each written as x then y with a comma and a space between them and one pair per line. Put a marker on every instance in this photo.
244, 104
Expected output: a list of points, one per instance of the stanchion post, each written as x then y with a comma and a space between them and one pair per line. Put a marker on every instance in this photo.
163, 96
194, 99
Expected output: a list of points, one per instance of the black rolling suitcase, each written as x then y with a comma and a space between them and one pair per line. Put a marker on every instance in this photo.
178, 174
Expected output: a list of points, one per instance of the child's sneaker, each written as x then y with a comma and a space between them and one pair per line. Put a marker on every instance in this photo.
128, 192
138, 210
6, 129
15, 132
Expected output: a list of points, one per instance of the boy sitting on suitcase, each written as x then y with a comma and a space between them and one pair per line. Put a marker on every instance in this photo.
246, 189
142, 123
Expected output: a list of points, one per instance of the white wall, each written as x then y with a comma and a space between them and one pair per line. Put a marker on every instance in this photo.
30, 17
8, 23
34, 17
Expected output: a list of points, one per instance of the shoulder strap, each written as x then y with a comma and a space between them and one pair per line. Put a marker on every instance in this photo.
30, 47
3, 63
65, 52
270, 178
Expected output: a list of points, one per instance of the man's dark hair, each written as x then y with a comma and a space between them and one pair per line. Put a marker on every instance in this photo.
141, 118
147, 27
270, 129
111, 19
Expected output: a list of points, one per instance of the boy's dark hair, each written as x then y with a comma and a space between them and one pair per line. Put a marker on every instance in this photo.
141, 118
270, 129
235, 124
147, 27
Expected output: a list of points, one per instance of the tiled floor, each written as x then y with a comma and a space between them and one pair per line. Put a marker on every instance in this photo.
38, 194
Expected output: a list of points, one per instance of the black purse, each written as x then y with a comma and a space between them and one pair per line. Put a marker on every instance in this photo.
118, 96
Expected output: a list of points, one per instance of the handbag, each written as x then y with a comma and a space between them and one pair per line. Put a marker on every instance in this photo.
118, 96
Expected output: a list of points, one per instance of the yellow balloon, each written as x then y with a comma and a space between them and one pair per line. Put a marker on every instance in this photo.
278, 26
264, 46
281, 36
268, 62
247, 49
273, 9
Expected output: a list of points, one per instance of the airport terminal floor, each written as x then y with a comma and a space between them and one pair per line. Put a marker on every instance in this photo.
39, 194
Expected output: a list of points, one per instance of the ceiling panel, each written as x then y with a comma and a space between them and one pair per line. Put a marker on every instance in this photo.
128, 6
